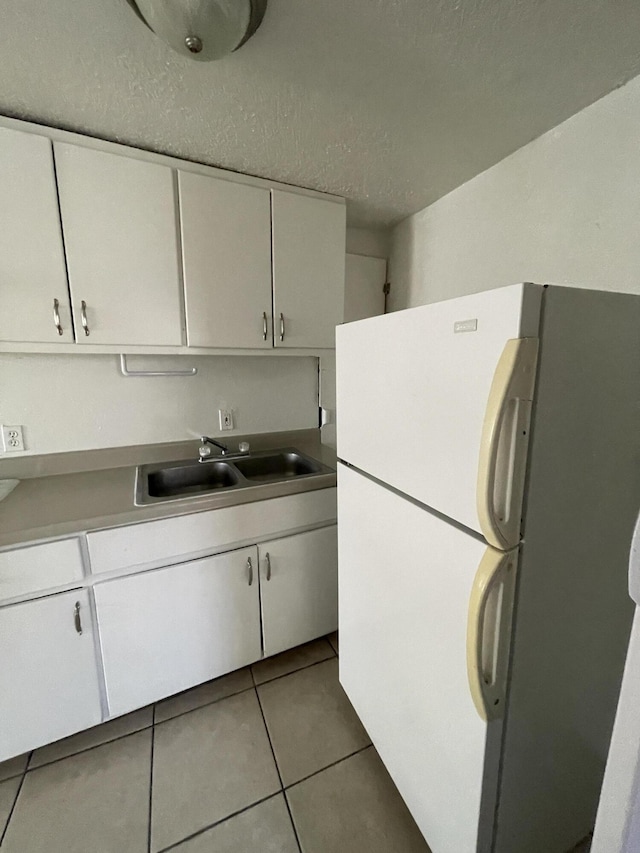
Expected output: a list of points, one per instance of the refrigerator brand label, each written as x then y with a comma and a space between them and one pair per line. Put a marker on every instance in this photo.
465, 326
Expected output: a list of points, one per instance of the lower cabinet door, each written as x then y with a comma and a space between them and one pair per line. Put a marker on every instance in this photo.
299, 588
48, 673
166, 630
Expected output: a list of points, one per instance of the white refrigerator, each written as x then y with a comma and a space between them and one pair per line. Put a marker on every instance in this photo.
488, 479
618, 822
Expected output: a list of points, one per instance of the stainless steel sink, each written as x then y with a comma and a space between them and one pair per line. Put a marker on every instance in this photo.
171, 481
191, 479
276, 466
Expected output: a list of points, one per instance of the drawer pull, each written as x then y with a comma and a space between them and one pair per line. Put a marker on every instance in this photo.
76, 617
56, 316
268, 560
250, 568
83, 317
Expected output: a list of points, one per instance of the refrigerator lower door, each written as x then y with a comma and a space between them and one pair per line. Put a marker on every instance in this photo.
435, 402
425, 622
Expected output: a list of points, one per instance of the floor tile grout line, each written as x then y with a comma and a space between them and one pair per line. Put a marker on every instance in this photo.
244, 689
218, 822
204, 704
85, 749
27, 766
275, 761
15, 801
266, 728
293, 823
293, 671
13, 775
153, 738
255, 685
322, 769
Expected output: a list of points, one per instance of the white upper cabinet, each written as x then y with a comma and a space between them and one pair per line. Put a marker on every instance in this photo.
105, 246
33, 278
308, 269
226, 247
121, 241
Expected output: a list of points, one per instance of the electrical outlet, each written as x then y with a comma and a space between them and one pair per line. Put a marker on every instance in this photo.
12, 438
226, 418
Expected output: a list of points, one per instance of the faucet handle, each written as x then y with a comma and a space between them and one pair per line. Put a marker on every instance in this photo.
204, 450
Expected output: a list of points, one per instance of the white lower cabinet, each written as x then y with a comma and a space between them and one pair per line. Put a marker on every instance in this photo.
48, 674
299, 588
165, 630
160, 630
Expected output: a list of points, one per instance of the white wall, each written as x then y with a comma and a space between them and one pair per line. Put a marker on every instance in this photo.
68, 402
564, 209
375, 242
363, 274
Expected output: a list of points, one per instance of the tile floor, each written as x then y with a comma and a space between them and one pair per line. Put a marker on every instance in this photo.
269, 759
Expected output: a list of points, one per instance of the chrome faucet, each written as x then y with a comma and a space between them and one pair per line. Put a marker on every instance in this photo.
204, 452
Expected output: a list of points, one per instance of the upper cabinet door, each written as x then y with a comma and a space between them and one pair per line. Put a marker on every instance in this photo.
227, 262
308, 269
33, 278
120, 232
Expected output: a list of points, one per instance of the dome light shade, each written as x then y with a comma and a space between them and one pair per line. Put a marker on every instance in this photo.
202, 29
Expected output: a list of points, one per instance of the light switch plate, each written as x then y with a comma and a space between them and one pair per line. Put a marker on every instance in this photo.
226, 418
12, 439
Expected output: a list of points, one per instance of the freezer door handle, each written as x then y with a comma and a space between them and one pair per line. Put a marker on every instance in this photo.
489, 631
504, 443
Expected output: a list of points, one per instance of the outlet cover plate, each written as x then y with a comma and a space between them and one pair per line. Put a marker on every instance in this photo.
12, 439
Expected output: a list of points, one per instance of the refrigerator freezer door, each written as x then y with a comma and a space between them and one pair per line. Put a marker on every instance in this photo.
411, 588
413, 389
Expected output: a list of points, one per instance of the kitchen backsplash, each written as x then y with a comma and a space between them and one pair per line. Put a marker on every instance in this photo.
67, 402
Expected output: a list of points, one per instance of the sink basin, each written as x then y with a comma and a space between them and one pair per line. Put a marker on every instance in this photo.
172, 481
276, 466
192, 479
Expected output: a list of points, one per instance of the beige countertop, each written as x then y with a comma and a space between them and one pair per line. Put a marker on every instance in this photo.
72, 492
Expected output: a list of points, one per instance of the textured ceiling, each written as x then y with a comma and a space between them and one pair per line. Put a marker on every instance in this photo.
391, 103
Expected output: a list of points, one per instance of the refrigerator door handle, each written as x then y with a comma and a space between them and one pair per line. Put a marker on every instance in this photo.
489, 631
504, 442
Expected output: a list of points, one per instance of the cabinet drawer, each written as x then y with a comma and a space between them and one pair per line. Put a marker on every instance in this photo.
39, 567
166, 541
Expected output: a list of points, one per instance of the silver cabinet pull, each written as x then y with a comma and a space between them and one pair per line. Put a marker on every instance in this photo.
265, 329
83, 317
268, 561
56, 316
281, 327
76, 617
250, 568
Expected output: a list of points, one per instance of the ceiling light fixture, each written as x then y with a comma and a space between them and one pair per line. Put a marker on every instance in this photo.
202, 29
